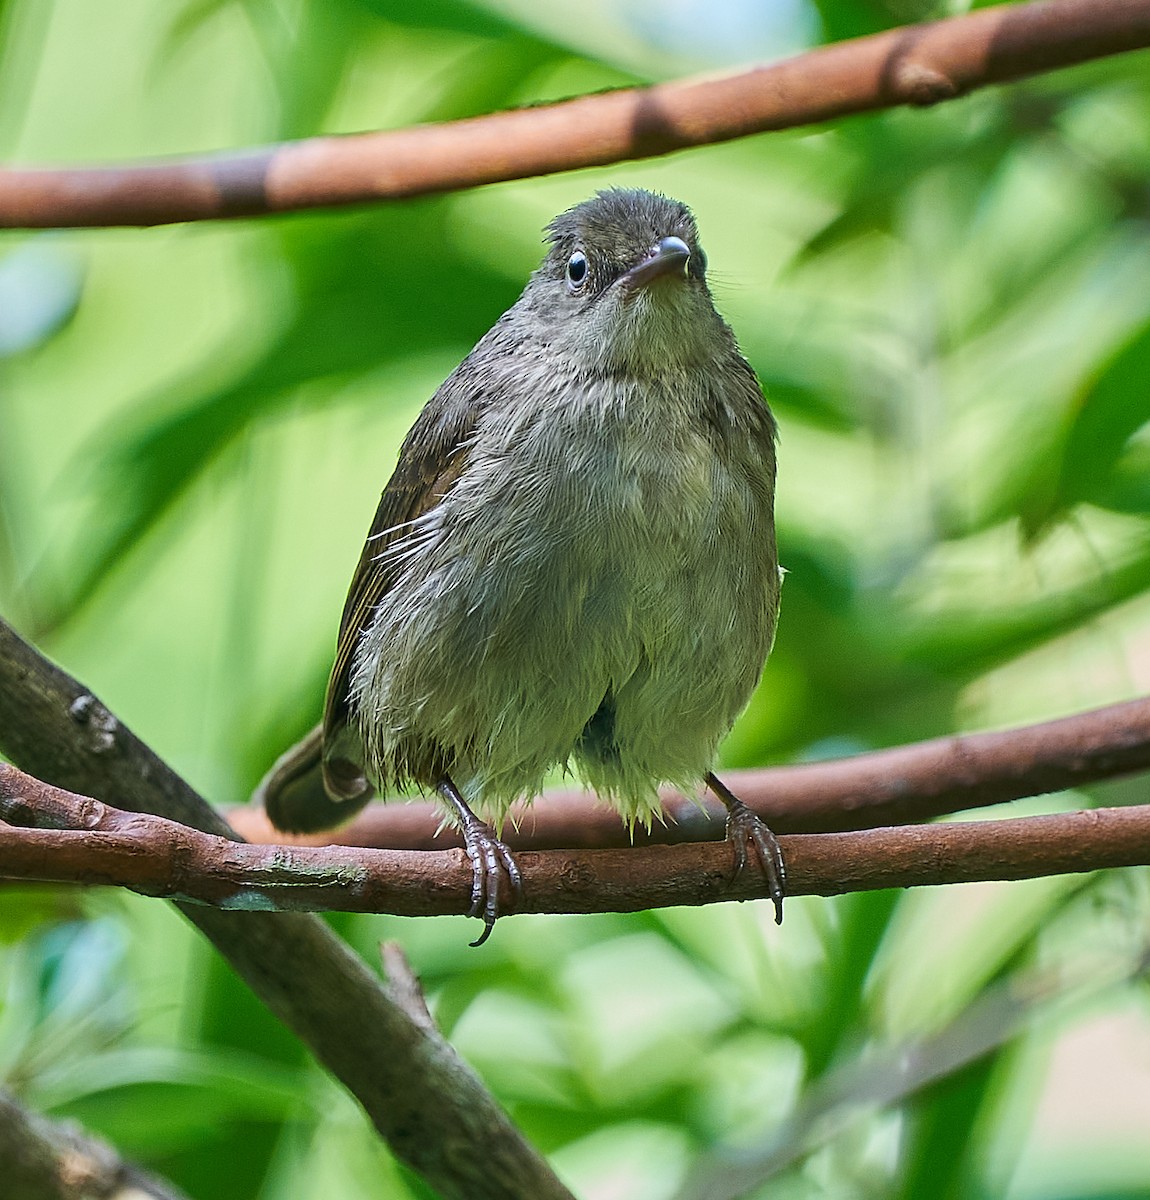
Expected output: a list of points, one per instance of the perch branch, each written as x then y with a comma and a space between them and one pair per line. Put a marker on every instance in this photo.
886, 787
915, 65
90, 842
425, 1101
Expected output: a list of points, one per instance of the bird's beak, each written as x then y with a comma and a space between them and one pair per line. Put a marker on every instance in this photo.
669, 257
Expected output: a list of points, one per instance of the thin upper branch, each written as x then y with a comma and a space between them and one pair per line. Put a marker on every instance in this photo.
886, 787
428, 1104
89, 842
916, 65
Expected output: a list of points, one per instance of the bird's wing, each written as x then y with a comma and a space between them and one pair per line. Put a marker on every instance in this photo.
431, 459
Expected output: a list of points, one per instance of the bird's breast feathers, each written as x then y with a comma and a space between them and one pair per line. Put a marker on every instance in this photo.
598, 544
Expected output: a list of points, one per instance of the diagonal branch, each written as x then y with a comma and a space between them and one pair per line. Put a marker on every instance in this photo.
424, 1100
76, 839
55, 1160
916, 65
885, 787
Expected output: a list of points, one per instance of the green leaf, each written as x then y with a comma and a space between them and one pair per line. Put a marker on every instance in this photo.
369, 290
1109, 409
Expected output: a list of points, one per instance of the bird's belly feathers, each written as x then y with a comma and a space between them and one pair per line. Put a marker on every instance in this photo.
610, 606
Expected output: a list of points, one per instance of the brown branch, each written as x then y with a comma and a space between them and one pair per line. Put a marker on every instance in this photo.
427, 1103
51, 1160
886, 787
90, 842
916, 65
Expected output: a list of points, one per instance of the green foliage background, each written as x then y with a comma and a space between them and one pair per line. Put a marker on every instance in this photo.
950, 310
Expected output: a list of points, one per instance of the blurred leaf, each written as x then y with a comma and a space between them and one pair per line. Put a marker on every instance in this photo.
40, 285
1112, 406
862, 923
1127, 489
231, 1020
308, 56
28, 907
842, 19
894, 150
367, 289
306, 52
481, 76
970, 642
464, 16
296, 707
941, 1156
232, 1080
188, 21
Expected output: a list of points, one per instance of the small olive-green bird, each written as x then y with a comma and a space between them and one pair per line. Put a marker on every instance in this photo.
574, 562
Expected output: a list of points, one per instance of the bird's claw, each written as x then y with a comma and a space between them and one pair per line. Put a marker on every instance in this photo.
745, 829
491, 859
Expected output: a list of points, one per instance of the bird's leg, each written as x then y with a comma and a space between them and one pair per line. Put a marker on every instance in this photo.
489, 857
745, 828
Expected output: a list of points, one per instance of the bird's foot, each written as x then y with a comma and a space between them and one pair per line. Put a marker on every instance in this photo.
491, 860
744, 830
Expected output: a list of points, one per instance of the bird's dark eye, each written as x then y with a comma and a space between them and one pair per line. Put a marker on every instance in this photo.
577, 271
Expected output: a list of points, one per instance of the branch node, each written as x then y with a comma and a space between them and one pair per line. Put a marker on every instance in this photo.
577, 877
98, 725
89, 813
404, 987
922, 85
86, 1170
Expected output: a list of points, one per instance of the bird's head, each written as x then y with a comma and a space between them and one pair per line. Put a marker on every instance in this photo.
624, 284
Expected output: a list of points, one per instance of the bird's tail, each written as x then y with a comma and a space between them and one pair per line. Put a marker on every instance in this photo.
302, 793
